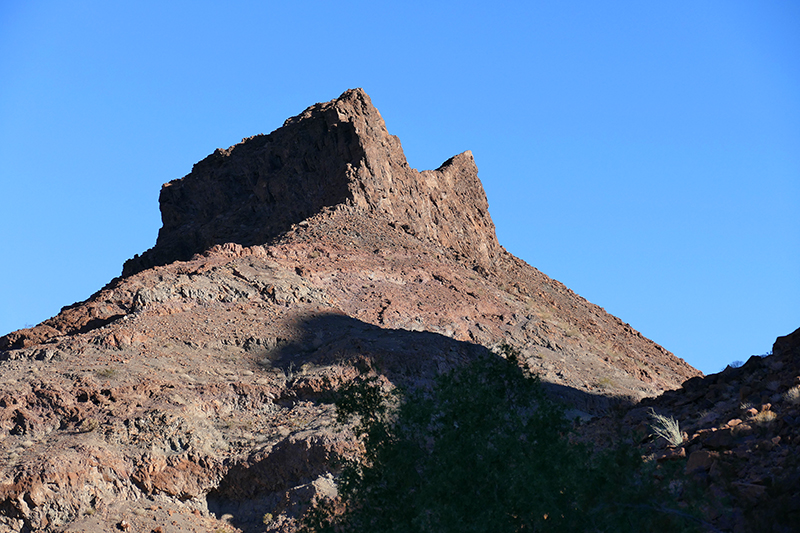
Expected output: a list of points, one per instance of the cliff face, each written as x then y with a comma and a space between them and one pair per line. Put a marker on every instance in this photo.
192, 388
337, 154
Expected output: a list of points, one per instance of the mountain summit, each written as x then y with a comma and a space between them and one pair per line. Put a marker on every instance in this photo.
333, 155
191, 390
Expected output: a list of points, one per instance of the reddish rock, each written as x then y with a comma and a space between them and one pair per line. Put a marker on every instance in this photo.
720, 439
671, 454
332, 154
700, 460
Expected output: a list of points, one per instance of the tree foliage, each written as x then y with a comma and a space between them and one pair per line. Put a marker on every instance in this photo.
485, 450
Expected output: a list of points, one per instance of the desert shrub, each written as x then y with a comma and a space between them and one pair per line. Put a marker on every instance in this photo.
667, 428
792, 395
106, 373
765, 418
605, 382
485, 450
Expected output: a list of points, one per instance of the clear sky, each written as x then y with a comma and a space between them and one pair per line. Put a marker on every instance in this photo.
647, 156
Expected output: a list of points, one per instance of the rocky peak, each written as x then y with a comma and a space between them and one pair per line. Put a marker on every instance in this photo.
191, 392
337, 155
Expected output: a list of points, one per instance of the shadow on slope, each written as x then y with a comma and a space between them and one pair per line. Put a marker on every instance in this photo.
407, 358
280, 480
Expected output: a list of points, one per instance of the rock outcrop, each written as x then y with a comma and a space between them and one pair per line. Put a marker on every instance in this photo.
333, 154
191, 392
740, 443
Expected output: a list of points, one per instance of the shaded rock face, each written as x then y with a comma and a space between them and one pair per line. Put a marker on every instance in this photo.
333, 154
193, 393
740, 438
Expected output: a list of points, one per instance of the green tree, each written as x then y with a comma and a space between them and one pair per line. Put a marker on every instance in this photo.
485, 450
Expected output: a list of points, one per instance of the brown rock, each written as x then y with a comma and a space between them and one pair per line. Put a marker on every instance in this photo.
750, 491
700, 460
333, 154
671, 454
787, 346
720, 439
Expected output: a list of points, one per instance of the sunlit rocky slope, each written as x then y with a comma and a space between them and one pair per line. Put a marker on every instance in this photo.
191, 393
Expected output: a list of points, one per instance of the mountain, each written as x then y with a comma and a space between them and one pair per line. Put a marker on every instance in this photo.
191, 392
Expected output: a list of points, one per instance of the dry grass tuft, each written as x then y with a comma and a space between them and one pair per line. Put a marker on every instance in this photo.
792, 395
765, 418
666, 427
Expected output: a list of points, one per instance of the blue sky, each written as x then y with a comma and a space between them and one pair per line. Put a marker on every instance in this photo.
646, 156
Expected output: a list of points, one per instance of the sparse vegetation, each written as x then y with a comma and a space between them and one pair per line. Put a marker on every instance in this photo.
289, 372
765, 418
667, 428
485, 450
605, 382
702, 413
792, 395
106, 373
88, 425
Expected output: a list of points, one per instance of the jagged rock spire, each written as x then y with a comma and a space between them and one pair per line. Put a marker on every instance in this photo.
333, 154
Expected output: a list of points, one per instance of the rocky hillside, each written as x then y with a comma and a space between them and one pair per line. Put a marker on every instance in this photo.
192, 392
740, 439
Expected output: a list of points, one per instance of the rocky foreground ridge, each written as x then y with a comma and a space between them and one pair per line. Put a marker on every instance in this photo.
738, 440
190, 394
